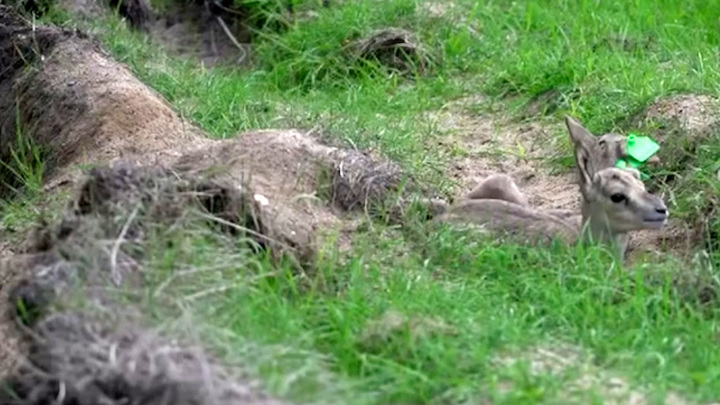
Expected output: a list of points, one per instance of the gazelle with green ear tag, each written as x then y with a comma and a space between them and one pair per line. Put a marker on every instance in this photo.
614, 199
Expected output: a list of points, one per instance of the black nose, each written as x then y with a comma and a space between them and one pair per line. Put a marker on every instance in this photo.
661, 210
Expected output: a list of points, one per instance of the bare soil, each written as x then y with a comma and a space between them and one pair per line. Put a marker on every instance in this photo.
80, 106
187, 30
216, 34
695, 113
583, 380
190, 31
281, 167
307, 187
118, 361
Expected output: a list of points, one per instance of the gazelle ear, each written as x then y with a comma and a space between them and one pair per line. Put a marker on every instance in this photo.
584, 143
578, 134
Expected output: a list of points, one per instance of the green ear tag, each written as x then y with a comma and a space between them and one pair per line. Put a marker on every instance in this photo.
630, 162
641, 148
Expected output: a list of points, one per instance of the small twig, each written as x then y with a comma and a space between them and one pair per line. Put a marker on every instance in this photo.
112, 355
254, 233
242, 229
184, 273
116, 247
62, 391
232, 39
229, 10
23, 358
213, 46
211, 291
306, 196
313, 130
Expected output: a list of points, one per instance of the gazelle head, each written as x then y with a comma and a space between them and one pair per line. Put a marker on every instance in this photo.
615, 200
618, 198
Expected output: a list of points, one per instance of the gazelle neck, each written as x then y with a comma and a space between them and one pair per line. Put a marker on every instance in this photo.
596, 228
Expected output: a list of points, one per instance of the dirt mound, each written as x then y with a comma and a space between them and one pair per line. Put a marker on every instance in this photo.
308, 187
697, 115
137, 12
118, 206
220, 32
283, 189
681, 124
82, 107
78, 105
192, 30
395, 48
77, 359
100, 242
22, 44
685, 125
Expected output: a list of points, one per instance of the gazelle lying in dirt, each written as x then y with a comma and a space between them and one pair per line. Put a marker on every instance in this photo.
615, 200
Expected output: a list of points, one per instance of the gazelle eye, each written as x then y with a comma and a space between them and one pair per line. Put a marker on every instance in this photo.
617, 198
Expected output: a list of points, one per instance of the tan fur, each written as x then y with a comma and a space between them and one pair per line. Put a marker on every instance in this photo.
498, 205
498, 187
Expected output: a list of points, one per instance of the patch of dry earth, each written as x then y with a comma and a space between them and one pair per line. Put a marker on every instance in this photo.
491, 143
582, 380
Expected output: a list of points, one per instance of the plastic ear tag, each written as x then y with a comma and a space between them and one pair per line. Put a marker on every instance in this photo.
641, 148
630, 162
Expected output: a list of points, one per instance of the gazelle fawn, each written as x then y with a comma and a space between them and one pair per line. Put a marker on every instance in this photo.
614, 200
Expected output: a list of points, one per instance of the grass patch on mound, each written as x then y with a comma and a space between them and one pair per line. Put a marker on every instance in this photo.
420, 318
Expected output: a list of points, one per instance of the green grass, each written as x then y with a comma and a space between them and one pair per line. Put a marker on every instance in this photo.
605, 60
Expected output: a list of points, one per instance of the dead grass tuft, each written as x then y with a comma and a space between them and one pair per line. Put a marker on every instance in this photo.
77, 359
101, 239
